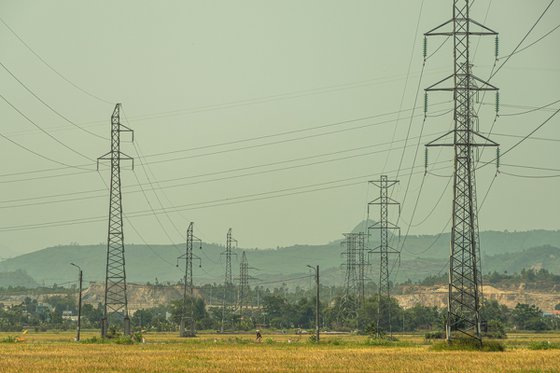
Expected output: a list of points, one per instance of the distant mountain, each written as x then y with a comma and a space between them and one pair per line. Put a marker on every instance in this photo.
421, 256
17, 278
543, 257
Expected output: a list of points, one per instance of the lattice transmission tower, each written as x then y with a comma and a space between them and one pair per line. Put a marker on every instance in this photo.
187, 325
115, 301
465, 275
355, 266
243, 294
228, 281
243, 282
350, 265
384, 201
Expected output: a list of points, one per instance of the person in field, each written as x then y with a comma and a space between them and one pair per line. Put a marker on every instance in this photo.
259, 336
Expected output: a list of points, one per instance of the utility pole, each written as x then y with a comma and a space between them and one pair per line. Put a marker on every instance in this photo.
228, 282
384, 249
115, 301
80, 278
188, 287
317, 302
465, 275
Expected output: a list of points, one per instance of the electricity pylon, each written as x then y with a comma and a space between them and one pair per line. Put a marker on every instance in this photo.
187, 326
228, 282
244, 278
362, 263
350, 275
115, 301
384, 249
243, 282
465, 274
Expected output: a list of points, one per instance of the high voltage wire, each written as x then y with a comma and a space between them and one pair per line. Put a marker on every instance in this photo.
218, 173
45, 131
251, 101
522, 40
49, 106
52, 68
524, 138
278, 134
185, 150
530, 111
406, 81
214, 203
533, 43
233, 142
27, 149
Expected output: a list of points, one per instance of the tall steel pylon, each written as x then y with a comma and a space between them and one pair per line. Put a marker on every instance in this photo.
243, 293
465, 275
187, 326
362, 264
350, 264
228, 281
115, 301
384, 249
355, 265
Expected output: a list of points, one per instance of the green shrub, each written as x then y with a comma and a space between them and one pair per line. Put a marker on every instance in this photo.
9, 339
469, 345
438, 334
543, 345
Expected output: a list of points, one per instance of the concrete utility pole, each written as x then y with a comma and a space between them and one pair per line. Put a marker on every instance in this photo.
465, 274
115, 302
78, 329
317, 302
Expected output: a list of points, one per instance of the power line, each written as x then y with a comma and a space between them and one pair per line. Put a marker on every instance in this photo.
522, 40
531, 110
49, 106
214, 203
533, 43
524, 138
52, 68
39, 154
406, 82
222, 172
46, 132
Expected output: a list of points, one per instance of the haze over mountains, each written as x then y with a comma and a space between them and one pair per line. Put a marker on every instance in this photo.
421, 256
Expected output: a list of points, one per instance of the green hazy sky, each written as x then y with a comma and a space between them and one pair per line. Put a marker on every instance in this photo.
265, 116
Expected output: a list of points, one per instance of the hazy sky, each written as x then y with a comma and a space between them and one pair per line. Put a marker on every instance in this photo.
265, 116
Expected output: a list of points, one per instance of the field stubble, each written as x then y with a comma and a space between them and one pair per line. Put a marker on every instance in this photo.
55, 352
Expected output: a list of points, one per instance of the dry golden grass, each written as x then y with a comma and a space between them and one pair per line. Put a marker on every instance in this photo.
55, 352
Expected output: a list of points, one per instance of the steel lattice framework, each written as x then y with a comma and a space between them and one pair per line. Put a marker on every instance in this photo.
362, 263
115, 301
350, 264
384, 249
243, 282
228, 281
355, 265
465, 275
384, 226
187, 326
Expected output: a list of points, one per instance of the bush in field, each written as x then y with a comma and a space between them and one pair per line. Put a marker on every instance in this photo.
543, 345
469, 345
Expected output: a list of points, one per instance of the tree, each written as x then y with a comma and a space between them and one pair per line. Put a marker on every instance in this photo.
528, 317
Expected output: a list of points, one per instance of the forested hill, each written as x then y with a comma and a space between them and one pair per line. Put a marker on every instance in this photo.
422, 256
